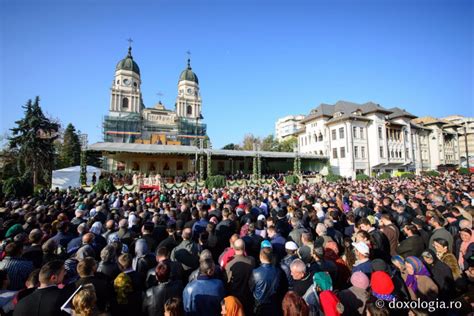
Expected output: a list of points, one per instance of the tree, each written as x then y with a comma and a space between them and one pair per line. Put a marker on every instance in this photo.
269, 143
33, 138
232, 146
288, 144
70, 151
249, 141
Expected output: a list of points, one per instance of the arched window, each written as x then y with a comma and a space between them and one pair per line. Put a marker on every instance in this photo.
125, 102
189, 110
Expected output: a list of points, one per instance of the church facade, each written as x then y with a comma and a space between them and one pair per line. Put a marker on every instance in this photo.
130, 121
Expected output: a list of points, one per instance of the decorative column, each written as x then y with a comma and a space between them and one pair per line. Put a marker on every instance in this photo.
209, 162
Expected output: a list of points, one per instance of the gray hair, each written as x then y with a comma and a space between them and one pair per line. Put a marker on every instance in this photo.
298, 266
206, 267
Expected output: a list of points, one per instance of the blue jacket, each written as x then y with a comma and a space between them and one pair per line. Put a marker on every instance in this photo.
264, 283
203, 296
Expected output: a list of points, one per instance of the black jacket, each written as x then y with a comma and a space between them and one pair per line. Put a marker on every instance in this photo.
156, 297
412, 246
42, 302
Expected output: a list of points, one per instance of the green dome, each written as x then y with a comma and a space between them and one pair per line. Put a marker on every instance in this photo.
188, 74
128, 63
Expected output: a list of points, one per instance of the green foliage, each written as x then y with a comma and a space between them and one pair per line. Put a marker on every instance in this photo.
362, 177
333, 177
16, 187
384, 176
432, 173
269, 143
463, 171
70, 150
232, 146
407, 175
287, 144
104, 186
292, 179
33, 139
215, 182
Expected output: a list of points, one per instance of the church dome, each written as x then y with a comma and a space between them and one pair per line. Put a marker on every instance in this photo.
128, 63
188, 74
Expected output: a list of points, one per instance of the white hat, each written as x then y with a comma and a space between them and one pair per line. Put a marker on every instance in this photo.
261, 217
291, 245
361, 247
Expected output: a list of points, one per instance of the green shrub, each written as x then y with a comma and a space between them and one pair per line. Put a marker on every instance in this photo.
432, 173
362, 177
292, 179
104, 186
407, 175
215, 182
384, 176
333, 178
16, 187
463, 171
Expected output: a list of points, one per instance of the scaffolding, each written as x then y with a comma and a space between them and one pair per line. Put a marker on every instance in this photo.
190, 129
122, 129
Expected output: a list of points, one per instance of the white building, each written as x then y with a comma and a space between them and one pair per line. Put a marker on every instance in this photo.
466, 128
370, 139
287, 126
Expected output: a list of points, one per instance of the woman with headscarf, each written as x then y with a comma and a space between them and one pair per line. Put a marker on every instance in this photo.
108, 264
441, 246
321, 282
331, 252
99, 241
442, 275
294, 305
464, 248
231, 306
143, 260
417, 278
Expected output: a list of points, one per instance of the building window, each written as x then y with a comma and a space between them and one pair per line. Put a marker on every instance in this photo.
189, 110
125, 103
334, 153
381, 151
179, 165
362, 152
135, 84
354, 131
341, 132
333, 134
380, 132
356, 152
320, 137
407, 153
362, 133
343, 152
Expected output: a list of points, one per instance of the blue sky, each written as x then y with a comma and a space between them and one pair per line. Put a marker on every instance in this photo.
256, 60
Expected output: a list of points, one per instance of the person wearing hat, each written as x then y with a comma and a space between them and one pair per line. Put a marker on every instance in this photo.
442, 275
417, 278
357, 295
382, 286
362, 253
290, 248
321, 282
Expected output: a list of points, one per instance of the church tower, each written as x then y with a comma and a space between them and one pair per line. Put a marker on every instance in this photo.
188, 102
126, 94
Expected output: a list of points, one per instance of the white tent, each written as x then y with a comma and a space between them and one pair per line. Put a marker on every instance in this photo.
70, 177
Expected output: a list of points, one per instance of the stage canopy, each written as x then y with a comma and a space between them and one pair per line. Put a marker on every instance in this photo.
70, 177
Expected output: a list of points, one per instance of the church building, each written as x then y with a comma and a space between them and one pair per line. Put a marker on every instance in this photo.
130, 121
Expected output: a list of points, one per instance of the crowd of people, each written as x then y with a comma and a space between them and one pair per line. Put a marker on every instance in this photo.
343, 248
